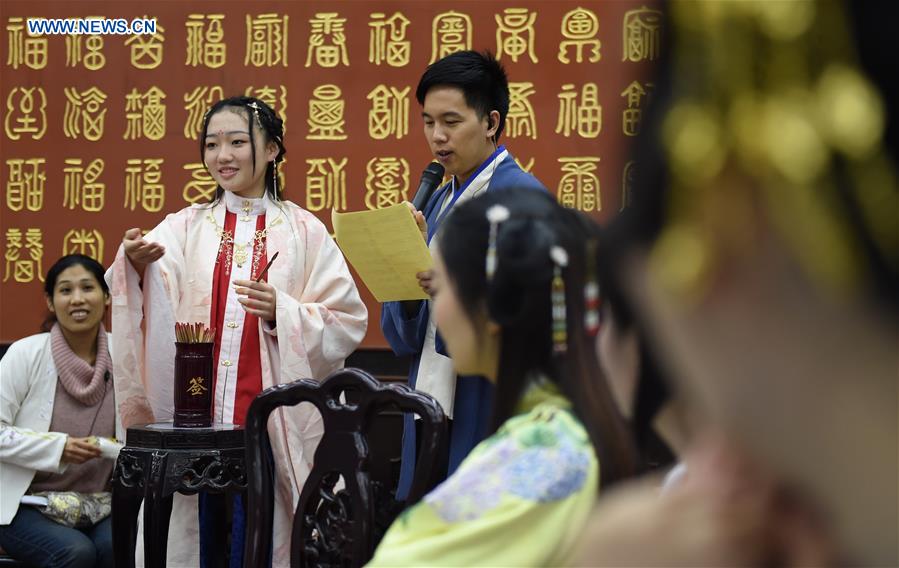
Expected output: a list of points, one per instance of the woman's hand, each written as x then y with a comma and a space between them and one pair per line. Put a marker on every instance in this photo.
261, 298
80, 450
139, 251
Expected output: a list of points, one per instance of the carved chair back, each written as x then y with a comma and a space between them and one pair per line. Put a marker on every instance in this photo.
335, 526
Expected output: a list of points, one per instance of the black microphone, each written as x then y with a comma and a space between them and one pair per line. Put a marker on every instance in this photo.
430, 179
106, 376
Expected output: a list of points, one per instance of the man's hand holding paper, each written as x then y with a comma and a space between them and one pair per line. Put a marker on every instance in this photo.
420, 220
388, 249
424, 277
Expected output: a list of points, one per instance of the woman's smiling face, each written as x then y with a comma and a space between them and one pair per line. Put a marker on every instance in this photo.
78, 301
229, 157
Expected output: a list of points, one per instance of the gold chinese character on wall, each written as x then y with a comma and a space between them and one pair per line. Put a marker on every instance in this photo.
579, 186
627, 183
515, 33
24, 48
386, 182
25, 183
387, 39
450, 32
633, 114
205, 40
326, 114
26, 114
143, 184
520, 120
84, 241
581, 114
266, 40
274, 97
641, 34
145, 114
201, 187
76, 45
196, 103
24, 268
579, 28
526, 166
389, 114
327, 41
81, 185
325, 184
147, 49
84, 114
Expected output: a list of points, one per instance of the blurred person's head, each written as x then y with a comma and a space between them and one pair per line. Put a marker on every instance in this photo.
521, 314
636, 381
241, 143
76, 295
464, 99
619, 357
761, 247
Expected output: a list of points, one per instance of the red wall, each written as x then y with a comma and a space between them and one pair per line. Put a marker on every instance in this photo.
45, 84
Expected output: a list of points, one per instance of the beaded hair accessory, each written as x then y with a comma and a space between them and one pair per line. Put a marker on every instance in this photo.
495, 215
591, 292
557, 294
275, 175
255, 106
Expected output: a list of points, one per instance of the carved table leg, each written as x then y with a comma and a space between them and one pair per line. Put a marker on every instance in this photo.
125, 507
157, 512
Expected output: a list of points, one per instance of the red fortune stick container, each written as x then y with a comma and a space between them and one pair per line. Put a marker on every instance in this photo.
193, 385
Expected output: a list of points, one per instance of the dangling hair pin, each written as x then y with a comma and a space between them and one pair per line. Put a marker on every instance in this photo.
275, 175
255, 106
557, 294
591, 292
495, 215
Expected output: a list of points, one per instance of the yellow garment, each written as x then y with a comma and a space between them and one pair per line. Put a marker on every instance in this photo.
519, 498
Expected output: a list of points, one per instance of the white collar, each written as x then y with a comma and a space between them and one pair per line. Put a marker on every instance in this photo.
482, 180
245, 206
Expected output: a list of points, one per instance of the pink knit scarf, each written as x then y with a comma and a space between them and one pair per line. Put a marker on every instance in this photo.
82, 381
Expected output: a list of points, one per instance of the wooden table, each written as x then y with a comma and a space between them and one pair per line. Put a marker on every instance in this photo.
159, 460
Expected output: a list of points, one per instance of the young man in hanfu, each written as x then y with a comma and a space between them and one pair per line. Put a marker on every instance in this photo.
465, 100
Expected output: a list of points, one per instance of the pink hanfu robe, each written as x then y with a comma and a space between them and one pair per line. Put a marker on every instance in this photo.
320, 321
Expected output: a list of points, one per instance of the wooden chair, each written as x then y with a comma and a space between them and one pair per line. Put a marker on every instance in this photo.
9, 561
343, 527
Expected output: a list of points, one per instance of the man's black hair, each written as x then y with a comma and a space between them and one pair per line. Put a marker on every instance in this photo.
479, 76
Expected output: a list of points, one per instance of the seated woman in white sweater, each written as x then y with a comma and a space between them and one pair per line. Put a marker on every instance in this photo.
56, 401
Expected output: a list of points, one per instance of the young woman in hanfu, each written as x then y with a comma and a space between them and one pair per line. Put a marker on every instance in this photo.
201, 265
510, 302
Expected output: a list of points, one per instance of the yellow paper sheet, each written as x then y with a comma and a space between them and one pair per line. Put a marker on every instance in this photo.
386, 249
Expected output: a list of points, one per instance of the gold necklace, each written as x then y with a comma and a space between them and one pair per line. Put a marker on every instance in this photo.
241, 255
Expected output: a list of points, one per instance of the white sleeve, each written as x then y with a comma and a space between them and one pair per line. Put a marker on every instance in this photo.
327, 319
24, 447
